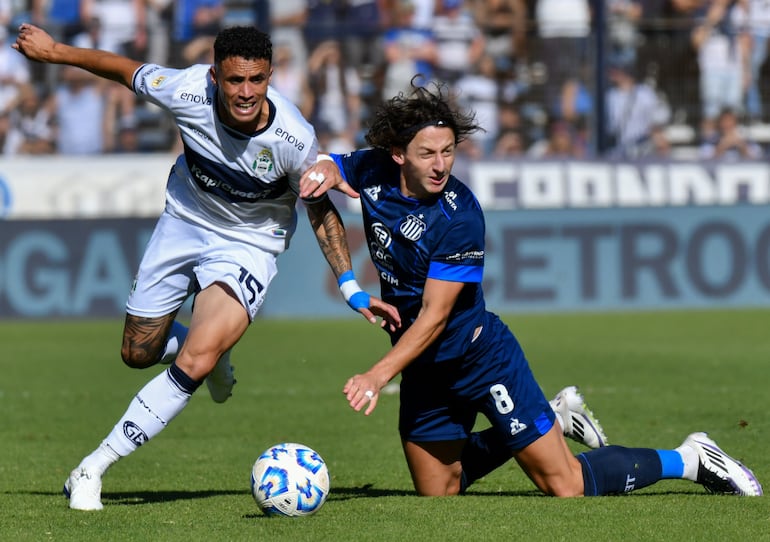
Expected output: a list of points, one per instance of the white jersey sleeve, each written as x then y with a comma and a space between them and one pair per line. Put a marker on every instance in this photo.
241, 185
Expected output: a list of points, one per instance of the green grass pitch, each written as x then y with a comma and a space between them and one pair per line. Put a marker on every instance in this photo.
651, 378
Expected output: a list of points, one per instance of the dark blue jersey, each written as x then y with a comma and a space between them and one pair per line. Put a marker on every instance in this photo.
411, 240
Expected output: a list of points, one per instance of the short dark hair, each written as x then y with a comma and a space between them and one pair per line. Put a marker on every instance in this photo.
396, 121
243, 41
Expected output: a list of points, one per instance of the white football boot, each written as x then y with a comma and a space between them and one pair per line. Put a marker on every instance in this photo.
221, 380
84, 490
720, 473
576, 419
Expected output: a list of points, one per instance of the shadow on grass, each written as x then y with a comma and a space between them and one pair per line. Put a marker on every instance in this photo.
367, 491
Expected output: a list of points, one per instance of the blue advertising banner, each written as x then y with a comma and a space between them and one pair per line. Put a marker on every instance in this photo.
598, 259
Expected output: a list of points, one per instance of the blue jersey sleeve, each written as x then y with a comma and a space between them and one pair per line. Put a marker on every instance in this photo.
359, 168
459, 256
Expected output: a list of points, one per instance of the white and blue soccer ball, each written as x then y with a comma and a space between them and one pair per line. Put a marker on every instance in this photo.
290, 479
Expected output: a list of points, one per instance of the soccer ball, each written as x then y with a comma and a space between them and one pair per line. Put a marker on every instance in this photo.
290, 479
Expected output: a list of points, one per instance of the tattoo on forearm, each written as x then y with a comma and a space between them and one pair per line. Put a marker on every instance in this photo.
330, 232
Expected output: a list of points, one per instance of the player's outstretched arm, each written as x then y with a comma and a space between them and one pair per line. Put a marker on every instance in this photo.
330, 233
36, 44
439, 297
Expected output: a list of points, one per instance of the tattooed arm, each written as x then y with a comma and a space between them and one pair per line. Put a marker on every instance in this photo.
330, 233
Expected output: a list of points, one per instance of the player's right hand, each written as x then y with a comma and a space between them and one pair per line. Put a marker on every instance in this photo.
322, 177
34, 43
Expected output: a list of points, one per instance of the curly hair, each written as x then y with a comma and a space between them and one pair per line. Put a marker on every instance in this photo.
244, 41
396, 121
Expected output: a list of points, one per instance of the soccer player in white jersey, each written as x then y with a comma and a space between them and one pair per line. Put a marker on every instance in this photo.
230, 211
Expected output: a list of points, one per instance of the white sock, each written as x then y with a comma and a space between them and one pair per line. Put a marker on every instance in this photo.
156, 404
98, 461
691, 461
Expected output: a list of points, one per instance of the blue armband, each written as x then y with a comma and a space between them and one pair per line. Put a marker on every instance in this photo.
352, 292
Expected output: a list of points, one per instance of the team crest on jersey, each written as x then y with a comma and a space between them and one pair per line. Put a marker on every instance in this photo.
412, 228
263, 163
373, 192
158, 81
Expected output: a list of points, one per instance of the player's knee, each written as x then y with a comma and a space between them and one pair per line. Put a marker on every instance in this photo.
137, 358
563, 487
438, 488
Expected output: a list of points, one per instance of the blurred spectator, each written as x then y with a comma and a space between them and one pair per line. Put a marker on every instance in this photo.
564, 141
60, 18
14, 72
424, 11
120, 102
263, 15
459, 40
324, 21
633, 110
6, 14
287, 21
509, 144
78, 104
194, 19
29, 128
158, 21
5, 128
504, 25
622, 22
668, 55
336, 90
728, 141
575, 102
122, 23
469, 150
658, 145
759, 28
408, 51
291, 79
722, 42
364, 23
128, 138
479, 91
563, 27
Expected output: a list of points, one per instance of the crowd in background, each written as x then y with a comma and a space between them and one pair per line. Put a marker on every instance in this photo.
670, 72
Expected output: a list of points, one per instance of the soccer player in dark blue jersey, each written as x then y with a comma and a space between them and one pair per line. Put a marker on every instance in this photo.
425, 232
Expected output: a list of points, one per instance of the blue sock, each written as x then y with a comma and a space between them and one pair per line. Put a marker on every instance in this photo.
614, 469
483, 453
672, 464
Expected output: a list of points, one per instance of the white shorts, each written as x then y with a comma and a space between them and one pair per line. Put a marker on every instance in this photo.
183, 258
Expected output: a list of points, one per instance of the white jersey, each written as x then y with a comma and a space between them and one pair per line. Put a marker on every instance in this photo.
240, 186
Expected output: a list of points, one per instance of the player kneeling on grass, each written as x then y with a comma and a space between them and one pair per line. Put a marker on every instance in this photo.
230, 211
456, 359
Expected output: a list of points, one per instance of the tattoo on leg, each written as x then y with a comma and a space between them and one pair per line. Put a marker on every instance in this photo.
144, 339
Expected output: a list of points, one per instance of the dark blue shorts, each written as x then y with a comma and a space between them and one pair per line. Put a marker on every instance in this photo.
441, 400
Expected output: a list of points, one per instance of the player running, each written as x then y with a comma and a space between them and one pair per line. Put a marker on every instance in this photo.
230, 211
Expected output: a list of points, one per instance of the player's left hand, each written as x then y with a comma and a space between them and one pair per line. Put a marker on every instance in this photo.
391, 319
360, 390
322, 177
